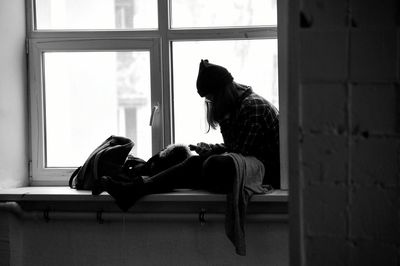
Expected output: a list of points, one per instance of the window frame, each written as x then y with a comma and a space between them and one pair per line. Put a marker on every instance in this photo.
37, 47
161, 63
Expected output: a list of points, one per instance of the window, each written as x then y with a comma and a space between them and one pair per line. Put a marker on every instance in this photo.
106, 66
241, 56
95, 15
89, 95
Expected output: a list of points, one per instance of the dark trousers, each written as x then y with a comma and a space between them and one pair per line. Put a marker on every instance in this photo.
214, 173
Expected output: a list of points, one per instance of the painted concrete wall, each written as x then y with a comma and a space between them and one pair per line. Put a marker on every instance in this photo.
349, 137
169, 240
13, 101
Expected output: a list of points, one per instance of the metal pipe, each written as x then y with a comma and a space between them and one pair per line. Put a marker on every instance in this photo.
202, 216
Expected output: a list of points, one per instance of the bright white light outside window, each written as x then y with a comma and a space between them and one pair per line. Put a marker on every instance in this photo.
92, 95
251, 62
222, 13
96, 14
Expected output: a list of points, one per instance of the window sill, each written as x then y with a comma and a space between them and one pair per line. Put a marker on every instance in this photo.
65, 199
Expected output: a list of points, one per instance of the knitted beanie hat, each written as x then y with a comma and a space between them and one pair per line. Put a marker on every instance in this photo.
211, 78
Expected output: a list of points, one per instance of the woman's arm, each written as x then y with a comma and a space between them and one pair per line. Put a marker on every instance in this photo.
205, 149
251, 128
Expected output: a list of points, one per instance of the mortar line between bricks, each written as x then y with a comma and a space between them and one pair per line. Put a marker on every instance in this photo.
349, 162
398, 182
398, 50
349, 120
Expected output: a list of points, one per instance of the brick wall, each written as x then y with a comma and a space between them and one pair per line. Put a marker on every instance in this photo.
349, 137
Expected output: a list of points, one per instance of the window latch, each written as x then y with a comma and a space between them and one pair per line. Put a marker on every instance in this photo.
153, 111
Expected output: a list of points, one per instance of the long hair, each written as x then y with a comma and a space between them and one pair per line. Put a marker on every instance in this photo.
223, 103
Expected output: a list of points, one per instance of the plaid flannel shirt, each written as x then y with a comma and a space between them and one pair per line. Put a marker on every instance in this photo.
254, 131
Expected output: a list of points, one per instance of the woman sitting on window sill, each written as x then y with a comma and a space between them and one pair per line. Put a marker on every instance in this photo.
250, 129
246, 163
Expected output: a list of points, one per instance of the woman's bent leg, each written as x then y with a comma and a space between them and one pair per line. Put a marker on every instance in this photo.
218, 173
183, 175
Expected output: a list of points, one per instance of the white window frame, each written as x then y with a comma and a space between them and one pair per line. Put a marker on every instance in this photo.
37, 47
159, 43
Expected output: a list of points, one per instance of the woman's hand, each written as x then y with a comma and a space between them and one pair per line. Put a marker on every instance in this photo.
201, 148
205, 149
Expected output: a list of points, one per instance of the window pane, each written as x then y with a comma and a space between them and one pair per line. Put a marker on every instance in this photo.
222, 13
92, 95
96, 14
251, 62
